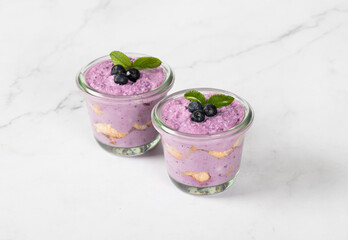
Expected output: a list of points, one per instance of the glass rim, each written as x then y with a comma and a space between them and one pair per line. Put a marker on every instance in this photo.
85, 88
243, 126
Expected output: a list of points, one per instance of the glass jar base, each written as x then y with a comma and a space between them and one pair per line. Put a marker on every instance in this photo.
132, 151
204, 190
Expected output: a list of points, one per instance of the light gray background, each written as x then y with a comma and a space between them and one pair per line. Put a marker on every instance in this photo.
287, 58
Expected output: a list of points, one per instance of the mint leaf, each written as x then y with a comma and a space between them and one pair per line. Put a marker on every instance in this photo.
120, 58
194, 95
220, 100
146, 62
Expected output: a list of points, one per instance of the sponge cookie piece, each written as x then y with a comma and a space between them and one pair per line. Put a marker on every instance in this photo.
108, 130
173, 151
198, 176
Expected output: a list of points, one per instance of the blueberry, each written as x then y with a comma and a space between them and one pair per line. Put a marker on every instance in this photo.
198, 116
210, 110
116, 69
194, 106
121, 79
133, 74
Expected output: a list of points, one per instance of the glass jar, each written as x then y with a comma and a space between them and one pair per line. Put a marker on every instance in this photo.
203, 164
122, 123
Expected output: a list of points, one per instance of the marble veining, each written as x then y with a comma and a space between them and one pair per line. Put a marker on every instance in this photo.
316, 19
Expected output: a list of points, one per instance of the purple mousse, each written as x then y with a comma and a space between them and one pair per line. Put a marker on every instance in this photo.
125, 121
99, 78
176, 115
199, 160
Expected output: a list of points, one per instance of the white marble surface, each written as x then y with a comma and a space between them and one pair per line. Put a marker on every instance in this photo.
287, 58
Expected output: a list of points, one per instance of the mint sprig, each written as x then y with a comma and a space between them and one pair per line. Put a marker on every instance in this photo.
121, 58
139, 63
218, 100
146, 62
194, 95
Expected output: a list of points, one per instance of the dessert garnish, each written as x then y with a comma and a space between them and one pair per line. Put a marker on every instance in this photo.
198, 116
118, 69
121, 79
124, 69
200, 107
